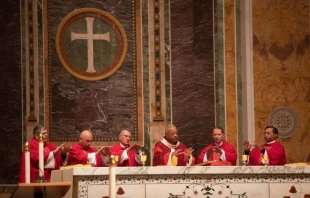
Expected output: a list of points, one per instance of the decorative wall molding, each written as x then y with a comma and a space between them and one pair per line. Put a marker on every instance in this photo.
29, 11
158, 62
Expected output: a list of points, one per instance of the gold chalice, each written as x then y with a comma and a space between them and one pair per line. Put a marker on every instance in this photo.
174, 160
143, 159
244, 159
265, 159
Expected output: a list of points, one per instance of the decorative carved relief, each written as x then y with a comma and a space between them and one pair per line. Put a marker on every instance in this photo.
285, 120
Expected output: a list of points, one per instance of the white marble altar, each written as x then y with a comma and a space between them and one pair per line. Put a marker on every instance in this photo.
193, 182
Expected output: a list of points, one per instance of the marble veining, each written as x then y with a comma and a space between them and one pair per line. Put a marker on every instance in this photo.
11, 104
182, 170
162, 181
192, 71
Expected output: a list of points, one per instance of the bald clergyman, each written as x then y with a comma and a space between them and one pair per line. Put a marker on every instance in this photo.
83, 153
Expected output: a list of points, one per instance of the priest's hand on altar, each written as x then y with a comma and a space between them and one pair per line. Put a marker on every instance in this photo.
188, 152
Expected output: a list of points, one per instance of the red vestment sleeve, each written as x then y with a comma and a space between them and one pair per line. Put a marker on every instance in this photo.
202, 153
276, 154
117, 150
255, 157
132, 158
161, 155
230, 153
77, 155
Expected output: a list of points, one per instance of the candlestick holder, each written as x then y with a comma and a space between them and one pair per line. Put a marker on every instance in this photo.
26, 148
40, 179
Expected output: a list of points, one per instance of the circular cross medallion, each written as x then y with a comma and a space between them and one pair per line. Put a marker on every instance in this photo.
91, 44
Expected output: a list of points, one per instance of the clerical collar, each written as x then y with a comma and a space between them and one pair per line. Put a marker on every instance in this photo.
165, 142
220, 144
123, 146
271, 142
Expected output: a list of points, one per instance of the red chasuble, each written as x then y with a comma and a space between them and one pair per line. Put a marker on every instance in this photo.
34, 161
275, 151
78, 155
162, 153
230, 152
117, 150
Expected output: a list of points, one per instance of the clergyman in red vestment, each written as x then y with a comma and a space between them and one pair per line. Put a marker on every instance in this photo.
83, 153
170, 146
128, 155
218, 150
273, 149
54, 156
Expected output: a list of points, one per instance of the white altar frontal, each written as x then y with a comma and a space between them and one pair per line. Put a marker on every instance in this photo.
189, 182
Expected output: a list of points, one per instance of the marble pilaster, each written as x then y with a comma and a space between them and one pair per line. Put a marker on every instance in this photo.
192, 71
